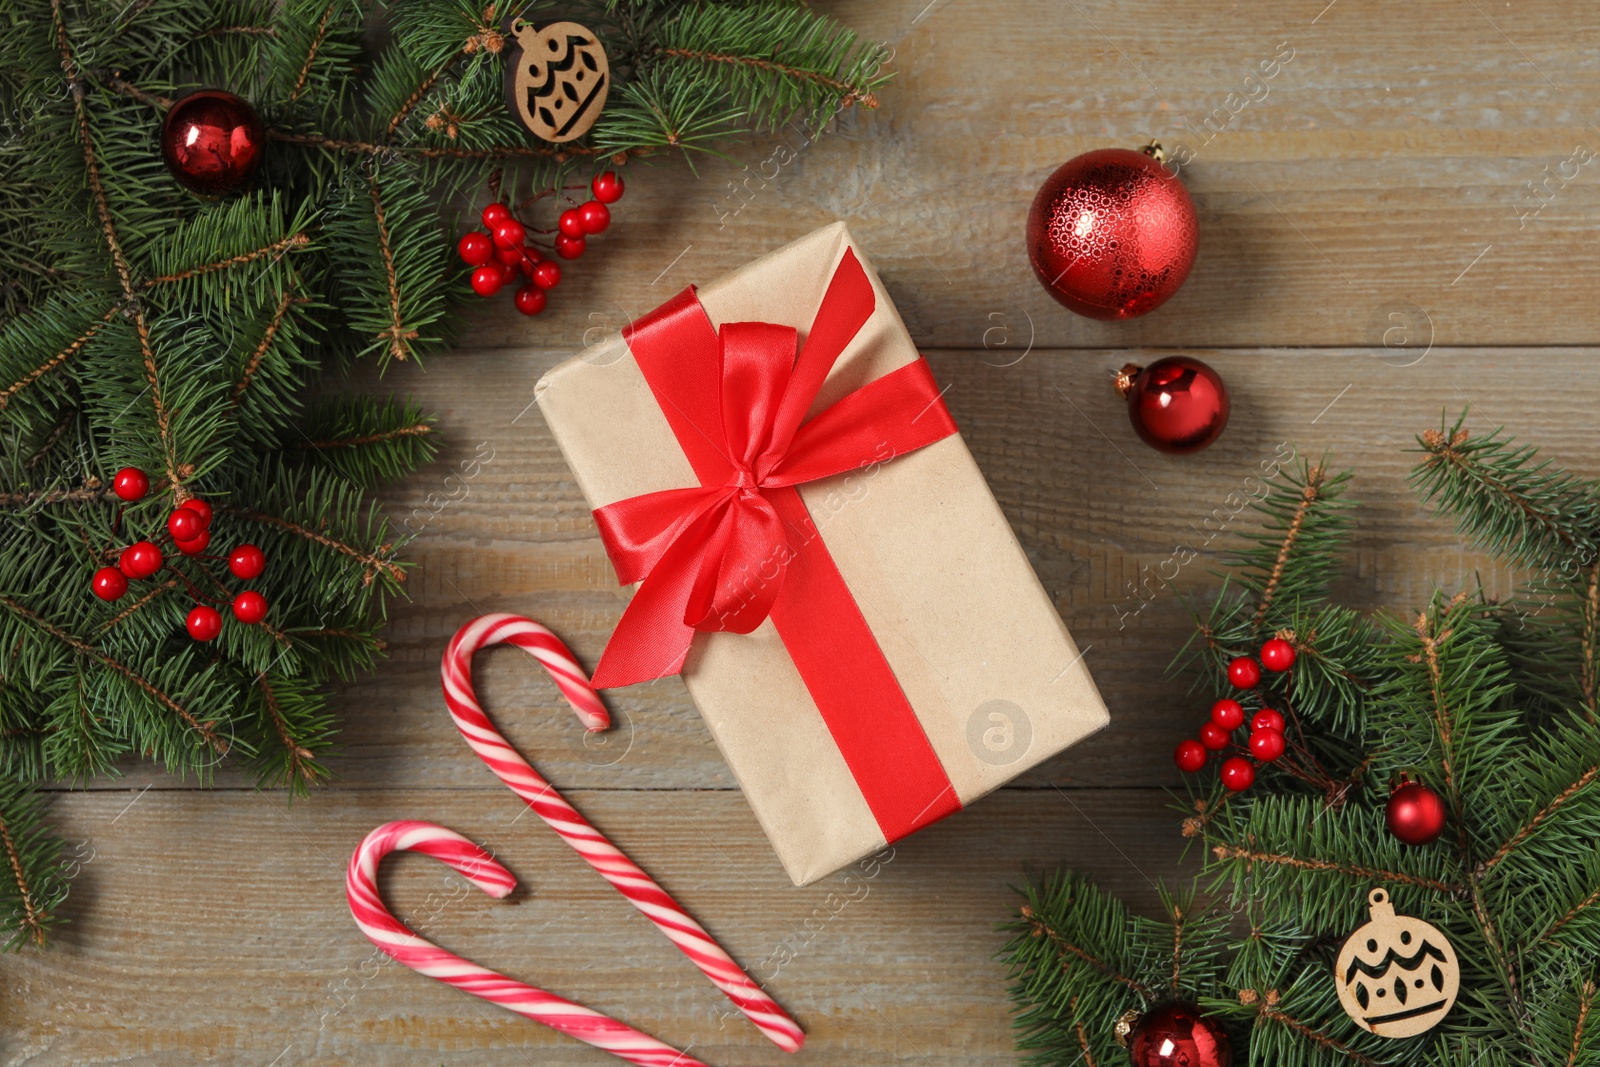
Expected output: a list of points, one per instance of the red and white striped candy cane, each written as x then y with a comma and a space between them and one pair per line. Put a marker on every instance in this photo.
397, 941
517, 773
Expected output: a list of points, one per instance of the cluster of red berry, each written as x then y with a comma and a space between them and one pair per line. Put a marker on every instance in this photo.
1266, 742
502, 254
189, 530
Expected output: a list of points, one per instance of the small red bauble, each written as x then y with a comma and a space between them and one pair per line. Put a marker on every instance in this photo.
195, 545
509, 233
475, 248
109, 583
212, 142
140, 560
1213, 736
1415, 814
530, 300
494, 213
185, 525
1111, 234
1277, 655
247, 562
200, 508
571, 223
594, 216
487, 280
1266, 745
546, 275
1238, 774
1244, 673
1177, 1035
130, 484
1177, 404
1190, 755
250, 607
1266, 719
204, 623
570, 247
1228, 714
607, 187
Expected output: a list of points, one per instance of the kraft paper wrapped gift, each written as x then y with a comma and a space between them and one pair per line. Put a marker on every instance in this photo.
911, 661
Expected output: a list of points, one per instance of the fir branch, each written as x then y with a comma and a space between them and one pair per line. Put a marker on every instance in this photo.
1065, 949
155, 100
1589, 645
1310, 493
396, 332
1585, 1002
56, 360
560, 153
35, 883
254, 362
1315, 1036
275, 249
1538, 818
415, 430
1572, 913
138, 605
93, 491
1083, 1037
33, 918
1441, 711
848, 94
301, 761
372, 565
1233, 852
311, 54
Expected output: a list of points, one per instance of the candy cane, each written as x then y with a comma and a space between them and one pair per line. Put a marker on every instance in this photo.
509, 766
397, 941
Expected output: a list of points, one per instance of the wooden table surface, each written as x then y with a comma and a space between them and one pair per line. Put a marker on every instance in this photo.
1397, 224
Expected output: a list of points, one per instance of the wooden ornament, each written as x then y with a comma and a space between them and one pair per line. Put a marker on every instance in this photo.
557, 79
1397, 976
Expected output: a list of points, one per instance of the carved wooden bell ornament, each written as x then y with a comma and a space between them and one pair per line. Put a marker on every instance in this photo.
1396, 976
557, 79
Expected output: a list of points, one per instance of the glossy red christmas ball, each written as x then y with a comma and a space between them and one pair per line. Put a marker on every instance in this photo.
1277, 655
204, 622
475, 248
212, 142
494, 213
195, 545
1190, 755
250, 607
487, 279
1112, 234
594, 216
570, 247
1415, 814
530, 300
247, 562
185, 524
1213, 736
1177, 404
1266, 745
570, 223
547, 275
509, 233
109, 583
1244, 673
140, 560
1238, 773
1177, 1035
130, 484
607, 187
200, 508
1228, 714
1266, 719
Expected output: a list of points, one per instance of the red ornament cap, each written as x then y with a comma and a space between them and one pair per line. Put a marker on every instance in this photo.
212, 142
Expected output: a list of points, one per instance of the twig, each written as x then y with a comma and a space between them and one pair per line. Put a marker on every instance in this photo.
395, 331
1539, 817
848, 93
420, 429
311, 54
1308, 496
32, 918
275, 249
254, 362
1370, 874
373, 564
56, 360
1065, 948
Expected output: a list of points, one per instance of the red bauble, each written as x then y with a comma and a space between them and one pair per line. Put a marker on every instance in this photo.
570, 247
493, 214
130, 484
109, 583
530, 300
1190, 755
1228, 714
1415, 814
202, 509
1111, 234
185, 524
1238, 774
249, 607
1266, 719
1213, 736
509, 233
212, 142
570, 223
475, 248
204, 623
1244, 673
1266, 745
1277, 655
140, 560
1177, 1035
247, 562
1176, 405
487, 279
195, 545
594, 216
607, 187
547, 275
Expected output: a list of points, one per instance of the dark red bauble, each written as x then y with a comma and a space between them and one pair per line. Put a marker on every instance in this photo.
475, 248
547, 275
1111, 234
247, 562
212, 142
204, 623
1190, 755
1238, 773
109, 583
195, 545
1266, 745
487, 279
594, 216
1177, 1035
1415, 814
570, 223
250, 607
570, 247
1213, 736
1177, 404
530, 300
1266, 719
140, 560
607, 187
130, 484
1244, 673
1228, 714
185, 524
1277, 655
202, 509
494, 213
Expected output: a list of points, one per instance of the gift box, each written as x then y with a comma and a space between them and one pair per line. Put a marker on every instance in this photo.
771, 463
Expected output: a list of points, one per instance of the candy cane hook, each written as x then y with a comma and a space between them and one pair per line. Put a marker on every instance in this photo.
396, 940
518, 774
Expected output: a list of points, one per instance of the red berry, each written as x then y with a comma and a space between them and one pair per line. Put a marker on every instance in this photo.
1244, 673
571, 223
607, 187
1237, 774
247, 562
1266, 719
140, 560
1213, 736
195, 546
495, 212
202, 509
250, 607
1277, 655
204, 623
595, 216
509, 257
487, 280
109, 583
185, 525
570, 247
475, 248
1227, 714
547, 275
131, 484
1266, 745
508, 273
1190, 756
530, 300
508, 233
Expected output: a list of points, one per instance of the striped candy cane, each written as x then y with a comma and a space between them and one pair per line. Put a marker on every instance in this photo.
509, 766
397, 941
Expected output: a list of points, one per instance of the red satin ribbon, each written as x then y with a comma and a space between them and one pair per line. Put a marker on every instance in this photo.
739, 547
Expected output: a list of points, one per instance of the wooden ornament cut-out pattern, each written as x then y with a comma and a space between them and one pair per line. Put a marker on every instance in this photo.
557, 79
1396, 976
